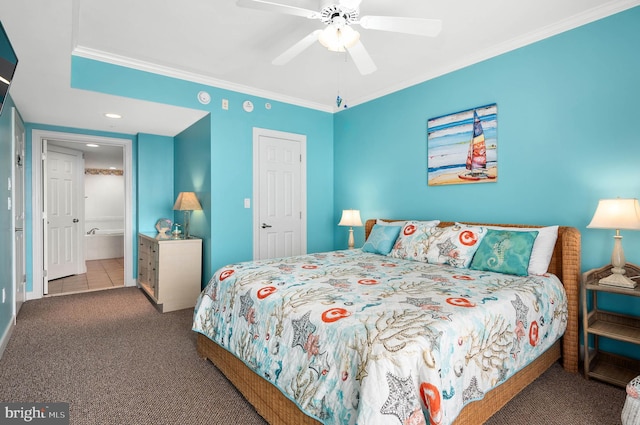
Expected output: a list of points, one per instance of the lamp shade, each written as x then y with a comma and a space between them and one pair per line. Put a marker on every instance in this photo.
187, 201
350, 218
617, 213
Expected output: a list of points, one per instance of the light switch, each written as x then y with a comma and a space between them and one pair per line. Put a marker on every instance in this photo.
247, 203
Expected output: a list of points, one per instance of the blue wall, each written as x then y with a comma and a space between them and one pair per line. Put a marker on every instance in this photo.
231, 155
6, 229
155, 180
193, 174
568, 135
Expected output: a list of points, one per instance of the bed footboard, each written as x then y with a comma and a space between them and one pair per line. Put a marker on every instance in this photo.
277, 409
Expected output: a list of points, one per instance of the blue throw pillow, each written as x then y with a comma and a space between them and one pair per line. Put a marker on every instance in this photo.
504, 251
381, 239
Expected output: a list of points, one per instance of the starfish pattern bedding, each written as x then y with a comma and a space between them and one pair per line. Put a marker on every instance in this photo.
360, 338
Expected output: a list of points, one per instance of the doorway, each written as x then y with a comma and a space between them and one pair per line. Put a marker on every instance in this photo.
41, 279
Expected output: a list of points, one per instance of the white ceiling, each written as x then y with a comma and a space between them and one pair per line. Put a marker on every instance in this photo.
220, 44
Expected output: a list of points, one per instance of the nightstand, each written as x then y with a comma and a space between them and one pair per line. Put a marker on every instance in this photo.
608, 367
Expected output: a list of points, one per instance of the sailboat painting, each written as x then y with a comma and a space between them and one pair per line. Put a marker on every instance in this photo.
462, 147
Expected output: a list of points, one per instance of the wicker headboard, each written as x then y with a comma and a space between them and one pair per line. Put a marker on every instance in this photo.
565, 263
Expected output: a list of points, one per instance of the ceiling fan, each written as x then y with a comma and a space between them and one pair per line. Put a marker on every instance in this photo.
339, 36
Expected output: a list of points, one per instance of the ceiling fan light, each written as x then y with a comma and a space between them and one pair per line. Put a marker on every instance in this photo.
336, 39
349, 37
329, 37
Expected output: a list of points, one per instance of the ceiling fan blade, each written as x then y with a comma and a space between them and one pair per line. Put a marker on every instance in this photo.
416, 26
297, 48
361, 58
270, 6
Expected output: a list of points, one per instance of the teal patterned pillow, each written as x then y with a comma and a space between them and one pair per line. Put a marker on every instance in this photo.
505, 251
381, 239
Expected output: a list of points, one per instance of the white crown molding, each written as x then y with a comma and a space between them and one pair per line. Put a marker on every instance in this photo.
102, 56
559, 27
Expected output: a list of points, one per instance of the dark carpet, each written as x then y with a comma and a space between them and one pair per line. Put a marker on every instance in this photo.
116, 360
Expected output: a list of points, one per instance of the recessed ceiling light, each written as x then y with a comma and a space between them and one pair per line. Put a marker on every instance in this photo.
112, 168
92, 145
111, 115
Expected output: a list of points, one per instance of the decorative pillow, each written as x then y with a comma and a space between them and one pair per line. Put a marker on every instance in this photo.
505, 251
413, 240
542, 247
455, 245
381, 239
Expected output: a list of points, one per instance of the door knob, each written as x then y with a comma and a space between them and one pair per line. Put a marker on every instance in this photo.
265, 225
75, 220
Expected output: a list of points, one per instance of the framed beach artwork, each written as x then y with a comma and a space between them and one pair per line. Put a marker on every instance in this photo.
462, 147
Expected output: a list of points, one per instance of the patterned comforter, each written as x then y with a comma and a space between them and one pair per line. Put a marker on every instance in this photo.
358, 338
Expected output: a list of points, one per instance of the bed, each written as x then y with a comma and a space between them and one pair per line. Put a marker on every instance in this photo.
417, 371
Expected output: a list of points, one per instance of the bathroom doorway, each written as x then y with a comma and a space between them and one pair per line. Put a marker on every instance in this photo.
100, 192
104, 216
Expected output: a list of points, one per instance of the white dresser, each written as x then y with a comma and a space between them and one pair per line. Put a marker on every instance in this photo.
169, 270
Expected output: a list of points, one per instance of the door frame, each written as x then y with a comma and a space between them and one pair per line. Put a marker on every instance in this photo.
19, 276
300, 138
37, 203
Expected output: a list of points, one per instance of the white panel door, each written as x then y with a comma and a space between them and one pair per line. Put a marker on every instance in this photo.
19, 277
280, 196
62, 212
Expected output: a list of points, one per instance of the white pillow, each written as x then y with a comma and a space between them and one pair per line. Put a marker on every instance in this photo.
401, 223
454, 245
413, 241
542, 247
391, 223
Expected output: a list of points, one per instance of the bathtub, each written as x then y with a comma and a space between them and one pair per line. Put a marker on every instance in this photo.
104, 244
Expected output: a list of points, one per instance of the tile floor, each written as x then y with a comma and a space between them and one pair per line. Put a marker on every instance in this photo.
101, 274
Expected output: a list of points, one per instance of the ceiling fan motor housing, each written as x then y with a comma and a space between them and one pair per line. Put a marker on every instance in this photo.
337, 14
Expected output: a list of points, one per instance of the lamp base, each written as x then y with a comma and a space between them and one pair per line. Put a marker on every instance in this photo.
351, 240
618, 280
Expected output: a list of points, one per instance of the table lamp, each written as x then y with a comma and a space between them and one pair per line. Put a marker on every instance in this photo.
617, 214
187, 202
350, 218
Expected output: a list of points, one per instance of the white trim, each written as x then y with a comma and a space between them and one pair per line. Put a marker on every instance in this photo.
302, 139
6, 336
37, 136
140, 65
17, 125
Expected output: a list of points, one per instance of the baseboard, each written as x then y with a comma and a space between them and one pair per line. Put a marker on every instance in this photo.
6, 335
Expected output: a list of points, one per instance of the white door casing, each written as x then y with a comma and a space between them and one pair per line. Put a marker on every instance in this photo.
64, 168
17, 192
279, 194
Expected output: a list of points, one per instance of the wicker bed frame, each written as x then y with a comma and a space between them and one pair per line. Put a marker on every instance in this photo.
277, 409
